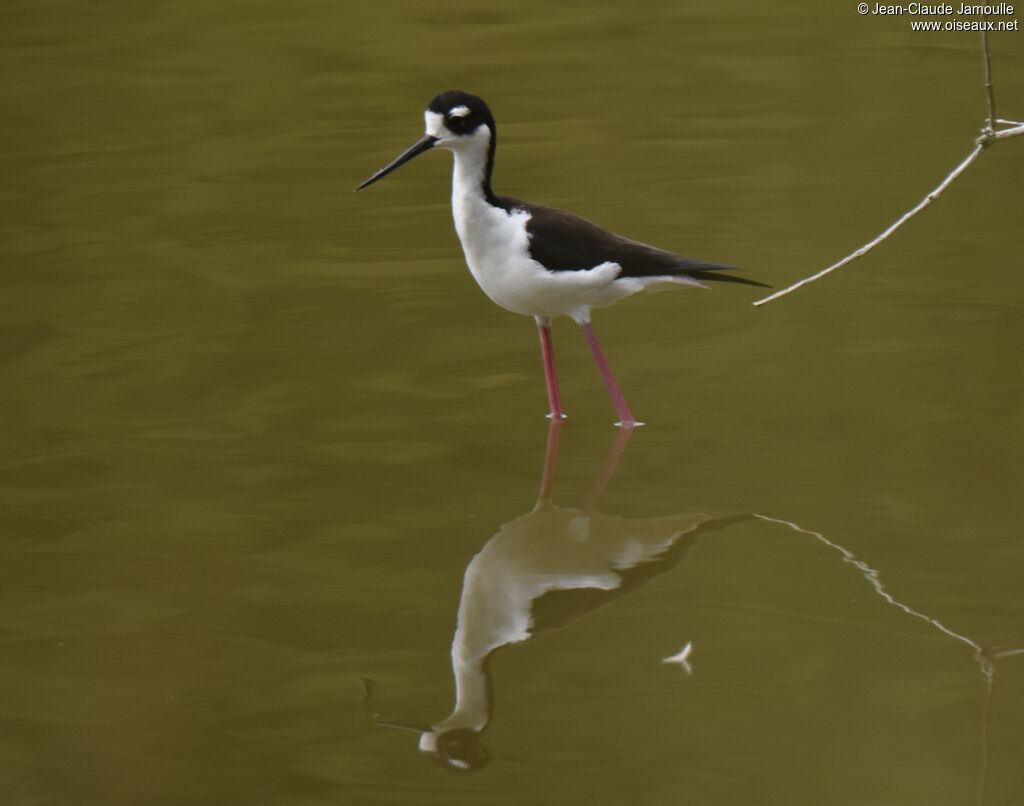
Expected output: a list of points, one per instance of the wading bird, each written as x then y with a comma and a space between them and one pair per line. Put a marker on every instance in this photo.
535, 260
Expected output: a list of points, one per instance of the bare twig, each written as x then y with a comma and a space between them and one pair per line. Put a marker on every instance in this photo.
978, 148
1005, 134
990, 91
989, 135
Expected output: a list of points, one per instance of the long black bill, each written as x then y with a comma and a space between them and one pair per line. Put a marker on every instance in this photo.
425, 144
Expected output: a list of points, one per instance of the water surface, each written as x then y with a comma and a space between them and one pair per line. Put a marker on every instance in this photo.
257, 427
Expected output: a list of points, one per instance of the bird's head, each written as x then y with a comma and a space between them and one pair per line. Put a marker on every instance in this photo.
456, 121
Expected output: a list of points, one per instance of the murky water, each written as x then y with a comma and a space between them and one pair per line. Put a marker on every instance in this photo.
266, 446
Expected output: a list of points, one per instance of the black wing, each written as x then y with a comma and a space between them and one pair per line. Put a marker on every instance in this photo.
562, 241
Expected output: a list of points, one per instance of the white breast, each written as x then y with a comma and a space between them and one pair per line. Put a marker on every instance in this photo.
496, 245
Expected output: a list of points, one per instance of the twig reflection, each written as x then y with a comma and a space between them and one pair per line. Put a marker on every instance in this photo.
985, 657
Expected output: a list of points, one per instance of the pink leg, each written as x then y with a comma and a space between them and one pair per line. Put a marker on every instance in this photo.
550, 375
626, 419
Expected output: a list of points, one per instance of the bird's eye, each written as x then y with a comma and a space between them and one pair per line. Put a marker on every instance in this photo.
458, 114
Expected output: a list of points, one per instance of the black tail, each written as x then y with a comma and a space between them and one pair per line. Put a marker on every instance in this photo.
704, 271
711, 275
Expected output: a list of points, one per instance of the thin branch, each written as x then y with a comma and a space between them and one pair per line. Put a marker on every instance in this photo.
872, 244
1005, 134
990, 91
989, 135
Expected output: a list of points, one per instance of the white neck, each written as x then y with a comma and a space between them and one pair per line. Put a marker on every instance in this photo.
468, 175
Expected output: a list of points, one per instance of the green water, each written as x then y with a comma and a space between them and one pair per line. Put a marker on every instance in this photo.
256, 427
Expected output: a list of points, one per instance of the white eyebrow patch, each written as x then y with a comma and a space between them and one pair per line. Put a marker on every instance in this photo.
458, 111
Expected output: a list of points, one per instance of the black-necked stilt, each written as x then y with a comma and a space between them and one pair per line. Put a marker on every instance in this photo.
539, 261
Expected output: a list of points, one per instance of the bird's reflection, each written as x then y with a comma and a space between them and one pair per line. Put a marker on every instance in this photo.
554, 565
540, 572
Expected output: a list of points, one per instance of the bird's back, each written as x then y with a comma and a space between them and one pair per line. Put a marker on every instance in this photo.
561, 241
